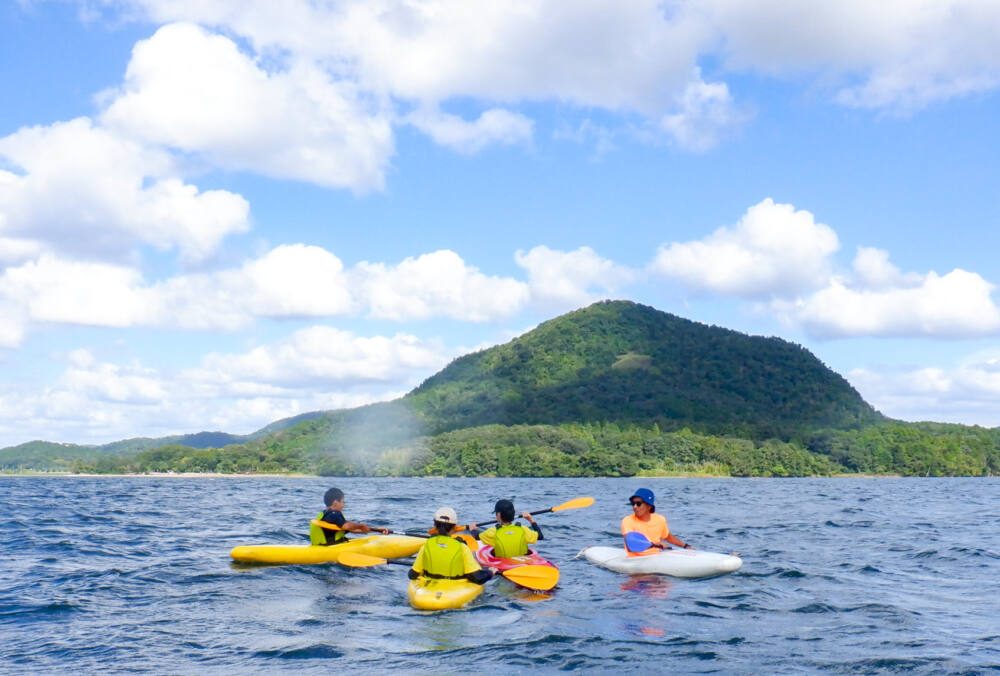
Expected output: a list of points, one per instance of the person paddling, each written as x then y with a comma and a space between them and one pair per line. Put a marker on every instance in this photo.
507, 538
644, 519
334, 501
443, 556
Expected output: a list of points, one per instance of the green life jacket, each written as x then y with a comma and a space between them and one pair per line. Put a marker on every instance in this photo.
324, 536
442, 556
510, 541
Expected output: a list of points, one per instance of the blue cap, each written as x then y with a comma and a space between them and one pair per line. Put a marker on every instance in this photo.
645, 495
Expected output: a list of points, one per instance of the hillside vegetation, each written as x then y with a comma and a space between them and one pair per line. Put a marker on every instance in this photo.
615, 389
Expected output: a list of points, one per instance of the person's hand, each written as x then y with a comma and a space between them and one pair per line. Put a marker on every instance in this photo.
527, 515
383, 531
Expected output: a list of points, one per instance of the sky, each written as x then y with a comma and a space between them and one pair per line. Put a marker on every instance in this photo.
215, 214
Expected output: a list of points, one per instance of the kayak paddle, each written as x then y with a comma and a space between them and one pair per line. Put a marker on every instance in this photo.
541, 578
637, 542
333, 526
575, 503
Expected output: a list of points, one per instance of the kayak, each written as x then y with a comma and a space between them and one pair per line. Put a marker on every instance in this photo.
675, 562
382, 546
485, 556
431, 593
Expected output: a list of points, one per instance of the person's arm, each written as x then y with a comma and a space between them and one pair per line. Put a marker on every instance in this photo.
481, 576
358, 527
672, 539
534, 527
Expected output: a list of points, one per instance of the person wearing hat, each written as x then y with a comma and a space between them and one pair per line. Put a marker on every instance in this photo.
645, 520
507, 538
443, 556
334, 501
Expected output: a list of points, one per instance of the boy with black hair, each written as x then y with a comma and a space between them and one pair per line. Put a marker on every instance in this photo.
509, 539
334, 501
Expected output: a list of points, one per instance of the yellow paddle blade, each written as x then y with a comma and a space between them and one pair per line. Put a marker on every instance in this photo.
325, 524
355, 560
576, 503
534, 577
471, 542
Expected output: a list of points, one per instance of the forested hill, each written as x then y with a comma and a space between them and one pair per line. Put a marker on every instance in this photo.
618, 361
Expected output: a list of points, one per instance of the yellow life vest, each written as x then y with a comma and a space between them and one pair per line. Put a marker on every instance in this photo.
318, 535
510, 541
442, 556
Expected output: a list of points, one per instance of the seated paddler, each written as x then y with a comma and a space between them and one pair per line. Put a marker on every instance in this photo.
334, 514
507, 538
444, 556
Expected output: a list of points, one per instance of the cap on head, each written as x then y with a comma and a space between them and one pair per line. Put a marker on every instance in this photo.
645, 495
446, 515
332, 495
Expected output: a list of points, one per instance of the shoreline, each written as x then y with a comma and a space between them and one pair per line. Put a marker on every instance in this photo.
272, 475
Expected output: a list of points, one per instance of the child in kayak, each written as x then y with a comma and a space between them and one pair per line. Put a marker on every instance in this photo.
334, 501
443, 556
643, 519
509, 539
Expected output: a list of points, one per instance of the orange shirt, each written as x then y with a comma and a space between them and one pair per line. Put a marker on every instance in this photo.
655, 529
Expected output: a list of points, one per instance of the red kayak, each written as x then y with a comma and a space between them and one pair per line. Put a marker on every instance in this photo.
485, 557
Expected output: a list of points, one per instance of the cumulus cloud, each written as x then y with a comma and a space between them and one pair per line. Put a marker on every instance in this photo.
87, 191
965, 393
290, 281
96, 400
191, 90
704, 113
896, 54
438, 284
493, 126
956, 305
571, 278
773, 251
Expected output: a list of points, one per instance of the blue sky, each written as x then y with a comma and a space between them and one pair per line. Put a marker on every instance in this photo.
217, 214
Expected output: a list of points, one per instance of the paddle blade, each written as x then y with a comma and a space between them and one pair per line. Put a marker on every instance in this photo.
325, 524
355, 560
576, 503
637, 542
542, 578
470, 542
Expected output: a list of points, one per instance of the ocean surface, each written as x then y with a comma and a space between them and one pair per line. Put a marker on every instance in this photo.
133, 575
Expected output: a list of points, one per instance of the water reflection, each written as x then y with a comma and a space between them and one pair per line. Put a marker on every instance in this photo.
650, 586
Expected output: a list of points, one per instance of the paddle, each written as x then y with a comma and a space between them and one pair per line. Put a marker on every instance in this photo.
575, 503
541, 578
637, 542
469, 541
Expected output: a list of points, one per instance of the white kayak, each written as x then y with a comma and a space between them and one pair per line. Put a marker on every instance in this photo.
676, 562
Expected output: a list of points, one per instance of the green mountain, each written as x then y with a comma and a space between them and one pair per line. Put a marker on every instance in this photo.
618, 361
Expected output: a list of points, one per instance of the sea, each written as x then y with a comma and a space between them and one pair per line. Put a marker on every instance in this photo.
132, 574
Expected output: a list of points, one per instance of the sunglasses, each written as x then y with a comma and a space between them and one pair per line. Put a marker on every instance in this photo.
636, 503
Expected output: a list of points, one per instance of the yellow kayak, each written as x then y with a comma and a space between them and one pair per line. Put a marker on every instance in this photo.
384, 546
428, 593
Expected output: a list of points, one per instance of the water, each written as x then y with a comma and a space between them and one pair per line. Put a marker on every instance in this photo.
132, 574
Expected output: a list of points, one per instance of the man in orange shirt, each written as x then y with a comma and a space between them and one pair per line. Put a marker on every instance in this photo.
644, 519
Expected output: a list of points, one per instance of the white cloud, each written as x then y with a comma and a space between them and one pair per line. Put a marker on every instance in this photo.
895, 54
437, 284
493, 126
571, 278
328, 357
956, 305
966, 393
704, 113
774, 250
194, 91
87, 191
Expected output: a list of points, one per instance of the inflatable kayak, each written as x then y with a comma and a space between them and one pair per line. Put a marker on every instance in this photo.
383, 546
485, 556
427, 593
675, 562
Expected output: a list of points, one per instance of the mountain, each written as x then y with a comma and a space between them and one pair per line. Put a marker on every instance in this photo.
618, 361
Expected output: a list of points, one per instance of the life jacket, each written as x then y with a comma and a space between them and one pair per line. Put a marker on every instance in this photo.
324, 536
442, 556
510, 541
